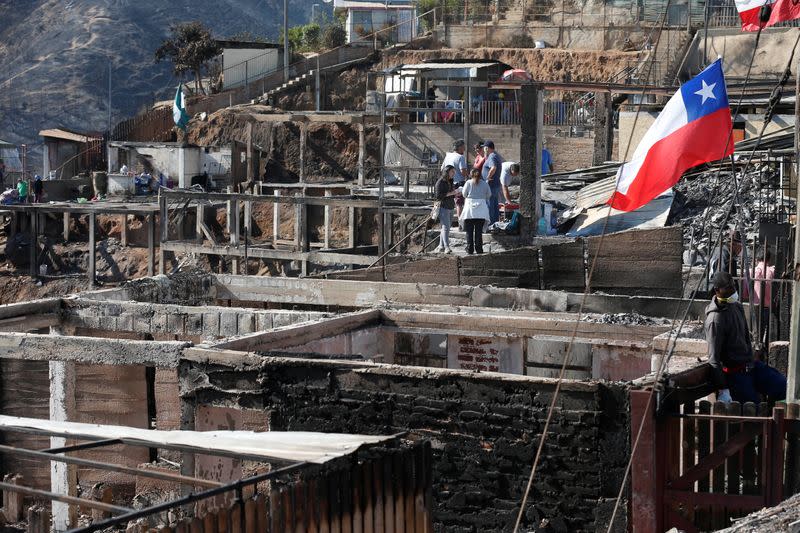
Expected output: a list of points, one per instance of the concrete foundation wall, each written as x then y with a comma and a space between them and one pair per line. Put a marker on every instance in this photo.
482, 428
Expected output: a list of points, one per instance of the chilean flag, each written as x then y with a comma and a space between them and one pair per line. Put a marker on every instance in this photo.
781, 10
694, 128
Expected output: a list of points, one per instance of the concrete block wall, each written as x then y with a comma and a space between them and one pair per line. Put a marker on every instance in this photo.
484, 429
173, 321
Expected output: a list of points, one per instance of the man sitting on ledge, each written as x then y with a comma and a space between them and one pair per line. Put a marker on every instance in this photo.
736, 373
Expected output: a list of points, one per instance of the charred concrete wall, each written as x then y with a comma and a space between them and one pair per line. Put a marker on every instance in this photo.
484, 429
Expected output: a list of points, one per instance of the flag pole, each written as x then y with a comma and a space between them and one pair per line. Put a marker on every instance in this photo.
793, 378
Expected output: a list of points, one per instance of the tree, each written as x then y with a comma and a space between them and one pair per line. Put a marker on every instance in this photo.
190, 48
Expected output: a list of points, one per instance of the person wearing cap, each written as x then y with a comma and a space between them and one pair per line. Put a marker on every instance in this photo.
736, 374
491, 173
457, 160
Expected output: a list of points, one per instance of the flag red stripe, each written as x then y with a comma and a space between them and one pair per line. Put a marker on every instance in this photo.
782, 10
697, 142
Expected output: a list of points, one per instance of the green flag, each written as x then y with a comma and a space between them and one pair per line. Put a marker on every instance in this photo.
179, 114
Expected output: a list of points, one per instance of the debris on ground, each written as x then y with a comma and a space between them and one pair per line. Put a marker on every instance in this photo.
628, 319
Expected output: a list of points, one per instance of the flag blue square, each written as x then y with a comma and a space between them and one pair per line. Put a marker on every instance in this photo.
705, 93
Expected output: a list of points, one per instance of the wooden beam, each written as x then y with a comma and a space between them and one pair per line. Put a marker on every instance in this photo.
324, 258
296, 199
66, 226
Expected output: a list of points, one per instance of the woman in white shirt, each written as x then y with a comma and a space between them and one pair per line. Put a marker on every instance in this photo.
475, 213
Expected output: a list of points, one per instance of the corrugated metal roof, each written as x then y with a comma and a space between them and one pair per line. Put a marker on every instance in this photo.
289, 445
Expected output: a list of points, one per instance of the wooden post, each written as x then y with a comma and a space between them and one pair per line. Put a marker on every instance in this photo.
92, 249
276, 219
150, 221
34, 246
164, 222
248, 219
234, 220
298, 215
328, 209
530, 149
13, 502
198, 223
303, 135
603, 128
249, 175
352, 231
66, 226
362, 153
645, 504
123, 232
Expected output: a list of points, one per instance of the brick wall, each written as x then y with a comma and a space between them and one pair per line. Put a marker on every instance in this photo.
484, 430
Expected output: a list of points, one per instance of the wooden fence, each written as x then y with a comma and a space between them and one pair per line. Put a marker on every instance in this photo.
154, 125
700, 464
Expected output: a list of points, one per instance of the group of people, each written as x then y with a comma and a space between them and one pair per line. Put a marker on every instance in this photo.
475, 192
736, 372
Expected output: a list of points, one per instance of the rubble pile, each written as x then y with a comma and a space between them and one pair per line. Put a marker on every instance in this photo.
702, 201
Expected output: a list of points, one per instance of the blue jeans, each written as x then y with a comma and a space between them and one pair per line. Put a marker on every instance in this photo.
494, 208
446, 218
762, 379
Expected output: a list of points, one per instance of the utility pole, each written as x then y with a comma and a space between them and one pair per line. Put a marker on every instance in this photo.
285, 41
705, 34
793, 386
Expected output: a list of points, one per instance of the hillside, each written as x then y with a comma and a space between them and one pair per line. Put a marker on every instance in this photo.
54, 55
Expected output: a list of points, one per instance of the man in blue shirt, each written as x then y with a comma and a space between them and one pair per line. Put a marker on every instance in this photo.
491, 173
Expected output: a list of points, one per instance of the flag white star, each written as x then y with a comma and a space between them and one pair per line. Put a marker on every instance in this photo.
706, 92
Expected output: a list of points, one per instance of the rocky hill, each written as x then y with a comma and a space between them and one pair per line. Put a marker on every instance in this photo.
55, 55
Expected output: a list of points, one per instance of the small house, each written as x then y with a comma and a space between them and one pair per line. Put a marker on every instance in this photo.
395, 21
68, 153
244, 61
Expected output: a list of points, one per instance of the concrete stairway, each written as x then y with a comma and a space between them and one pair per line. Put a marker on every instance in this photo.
294, 82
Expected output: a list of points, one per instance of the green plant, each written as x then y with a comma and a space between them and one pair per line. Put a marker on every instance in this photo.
312, 35
190, 48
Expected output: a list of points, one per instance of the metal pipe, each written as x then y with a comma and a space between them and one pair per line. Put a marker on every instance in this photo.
191, 498
91, 504
112, 467
84, 446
